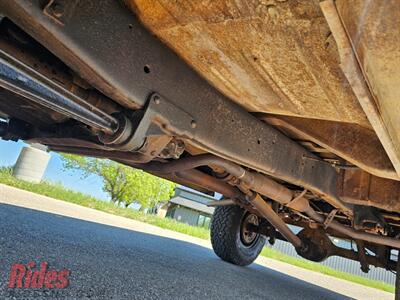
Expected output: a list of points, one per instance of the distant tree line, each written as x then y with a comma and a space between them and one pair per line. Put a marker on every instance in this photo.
125, 185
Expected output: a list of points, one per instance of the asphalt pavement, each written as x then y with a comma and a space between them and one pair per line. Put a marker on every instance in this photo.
113, 261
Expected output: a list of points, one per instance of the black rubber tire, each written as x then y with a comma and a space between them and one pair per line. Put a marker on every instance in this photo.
225, 236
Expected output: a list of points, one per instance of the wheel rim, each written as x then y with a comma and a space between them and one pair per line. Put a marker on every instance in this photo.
248, 237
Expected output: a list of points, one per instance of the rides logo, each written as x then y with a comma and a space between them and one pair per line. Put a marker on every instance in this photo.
24, 276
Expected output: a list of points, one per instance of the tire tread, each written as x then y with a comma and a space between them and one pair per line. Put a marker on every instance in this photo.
224, 229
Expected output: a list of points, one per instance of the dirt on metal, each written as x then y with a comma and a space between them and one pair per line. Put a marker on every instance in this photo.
271, 56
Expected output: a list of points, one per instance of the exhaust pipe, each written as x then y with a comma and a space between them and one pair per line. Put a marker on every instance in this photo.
273, 190
258, 182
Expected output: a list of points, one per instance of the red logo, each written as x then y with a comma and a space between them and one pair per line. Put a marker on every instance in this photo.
24, 276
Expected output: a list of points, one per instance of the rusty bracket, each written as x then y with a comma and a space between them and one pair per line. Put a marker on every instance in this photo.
60, 10
362, 256
299, 203
151, 129
170, 118
329, 218
160, 117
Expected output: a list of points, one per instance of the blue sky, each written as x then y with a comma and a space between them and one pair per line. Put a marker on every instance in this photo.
91, 185
9, 152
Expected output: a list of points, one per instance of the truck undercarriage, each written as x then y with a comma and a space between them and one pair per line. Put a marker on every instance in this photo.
287, 108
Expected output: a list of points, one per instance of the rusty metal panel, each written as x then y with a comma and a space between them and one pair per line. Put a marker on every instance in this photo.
374, 30
267, 55
356, 144
368, 38
362, 188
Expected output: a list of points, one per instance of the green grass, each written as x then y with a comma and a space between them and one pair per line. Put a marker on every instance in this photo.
57, 191
309, 265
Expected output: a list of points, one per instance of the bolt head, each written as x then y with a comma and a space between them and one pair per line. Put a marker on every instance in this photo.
57, 10
157, 99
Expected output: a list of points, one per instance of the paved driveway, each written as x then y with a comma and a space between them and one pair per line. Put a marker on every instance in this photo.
115, 258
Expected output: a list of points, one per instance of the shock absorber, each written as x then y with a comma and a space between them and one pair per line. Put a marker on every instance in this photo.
27, 82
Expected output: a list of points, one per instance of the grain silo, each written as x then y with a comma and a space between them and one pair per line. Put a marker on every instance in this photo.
31, 163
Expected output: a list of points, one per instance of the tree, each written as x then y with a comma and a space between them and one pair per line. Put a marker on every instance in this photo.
123, 184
